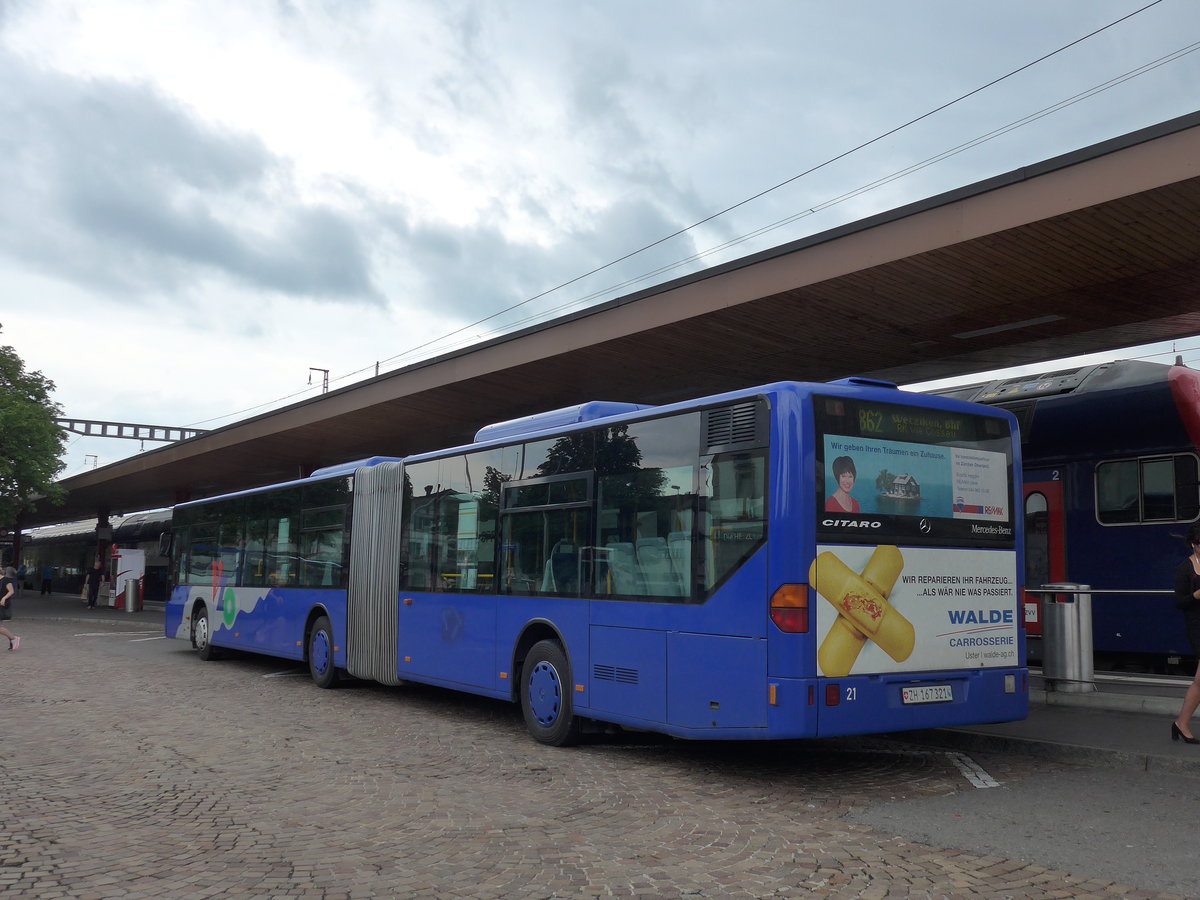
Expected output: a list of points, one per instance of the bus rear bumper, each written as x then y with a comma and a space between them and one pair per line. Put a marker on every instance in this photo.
905, 701
799, 708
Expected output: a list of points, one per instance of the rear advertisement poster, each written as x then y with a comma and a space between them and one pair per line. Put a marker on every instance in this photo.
914, 609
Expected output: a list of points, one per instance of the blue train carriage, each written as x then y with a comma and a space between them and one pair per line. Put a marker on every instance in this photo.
675, 569
1110, 486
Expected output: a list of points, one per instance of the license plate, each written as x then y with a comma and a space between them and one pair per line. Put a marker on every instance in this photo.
927, 693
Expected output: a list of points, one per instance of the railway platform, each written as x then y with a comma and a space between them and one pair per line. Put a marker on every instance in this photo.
1124, 722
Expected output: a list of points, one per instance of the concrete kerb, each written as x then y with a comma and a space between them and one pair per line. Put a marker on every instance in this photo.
1052, 751
1156, 706
127, 620
62, 607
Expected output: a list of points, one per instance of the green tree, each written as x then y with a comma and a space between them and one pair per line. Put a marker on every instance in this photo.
30, 442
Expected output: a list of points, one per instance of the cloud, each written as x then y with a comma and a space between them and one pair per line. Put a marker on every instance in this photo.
258, 176
137, 196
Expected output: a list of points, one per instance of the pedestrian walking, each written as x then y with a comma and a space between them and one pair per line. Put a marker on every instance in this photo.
8, 592
47, 579
22, 574
95, 576
1187, 599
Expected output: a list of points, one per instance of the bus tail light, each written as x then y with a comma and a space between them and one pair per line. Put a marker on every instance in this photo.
789, 608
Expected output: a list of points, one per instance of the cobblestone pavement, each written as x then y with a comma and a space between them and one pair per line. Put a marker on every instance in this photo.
134, 770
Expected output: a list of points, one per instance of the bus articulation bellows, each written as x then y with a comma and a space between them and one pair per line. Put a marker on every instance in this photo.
787, 561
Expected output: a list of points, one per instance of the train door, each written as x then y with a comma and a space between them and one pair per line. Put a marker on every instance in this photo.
1045, 540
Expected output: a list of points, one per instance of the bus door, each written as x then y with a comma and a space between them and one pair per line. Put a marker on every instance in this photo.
1045, 540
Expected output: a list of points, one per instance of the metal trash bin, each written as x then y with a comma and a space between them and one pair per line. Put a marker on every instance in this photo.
133, 595
1067, 661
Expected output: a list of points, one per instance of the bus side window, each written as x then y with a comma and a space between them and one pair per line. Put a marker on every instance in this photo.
644, 539
322, 540
231, 550
450, 523
734, 523
542, 552
201, 556
421, 526
181, 552
254, 565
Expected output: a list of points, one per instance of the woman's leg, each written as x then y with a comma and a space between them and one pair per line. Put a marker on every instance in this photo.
1191, 700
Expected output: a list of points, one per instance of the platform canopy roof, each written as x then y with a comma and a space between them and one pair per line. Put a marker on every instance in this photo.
1095, 250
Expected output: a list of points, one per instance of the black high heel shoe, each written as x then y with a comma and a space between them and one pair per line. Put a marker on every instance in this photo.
1177, 735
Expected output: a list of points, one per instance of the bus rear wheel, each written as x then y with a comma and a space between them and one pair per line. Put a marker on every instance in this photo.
320, 654
546, 701
202, 634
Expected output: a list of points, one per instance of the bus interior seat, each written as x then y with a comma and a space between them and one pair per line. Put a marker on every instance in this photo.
622, 566
655, 564
679, 546
561, 573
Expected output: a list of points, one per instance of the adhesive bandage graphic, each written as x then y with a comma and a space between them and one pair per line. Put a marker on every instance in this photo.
864, 611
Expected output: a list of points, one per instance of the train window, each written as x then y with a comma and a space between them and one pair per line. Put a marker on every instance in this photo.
1163, 489
1187, 488
1158, 489
1117, 492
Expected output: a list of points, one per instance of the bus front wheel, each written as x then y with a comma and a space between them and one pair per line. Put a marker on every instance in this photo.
202, 634
546, 695
320, 654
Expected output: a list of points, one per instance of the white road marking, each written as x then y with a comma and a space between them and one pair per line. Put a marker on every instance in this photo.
971, 770
967, 767
161, 637
113, 633
286, 675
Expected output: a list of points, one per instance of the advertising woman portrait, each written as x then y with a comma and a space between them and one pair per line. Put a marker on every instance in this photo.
845, 474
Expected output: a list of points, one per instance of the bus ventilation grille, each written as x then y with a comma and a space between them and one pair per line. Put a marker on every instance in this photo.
619, 674
733, 425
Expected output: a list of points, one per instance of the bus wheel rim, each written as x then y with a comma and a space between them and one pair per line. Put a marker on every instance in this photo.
201, 632
320, 651
545, 694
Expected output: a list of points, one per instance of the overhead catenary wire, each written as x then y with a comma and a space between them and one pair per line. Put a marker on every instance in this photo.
758, 232
879, 182
585, 299
798, 176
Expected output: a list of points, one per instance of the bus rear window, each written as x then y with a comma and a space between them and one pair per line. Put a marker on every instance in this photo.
913, 475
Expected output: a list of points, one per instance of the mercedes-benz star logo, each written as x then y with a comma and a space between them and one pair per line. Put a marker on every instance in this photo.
925, 526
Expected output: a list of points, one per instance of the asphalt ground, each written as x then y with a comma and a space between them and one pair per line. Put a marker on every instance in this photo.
1118, 720
131, 769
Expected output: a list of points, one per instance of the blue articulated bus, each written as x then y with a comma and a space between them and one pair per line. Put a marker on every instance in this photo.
788, 561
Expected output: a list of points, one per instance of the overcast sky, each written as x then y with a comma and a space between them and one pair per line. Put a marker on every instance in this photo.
199, 202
